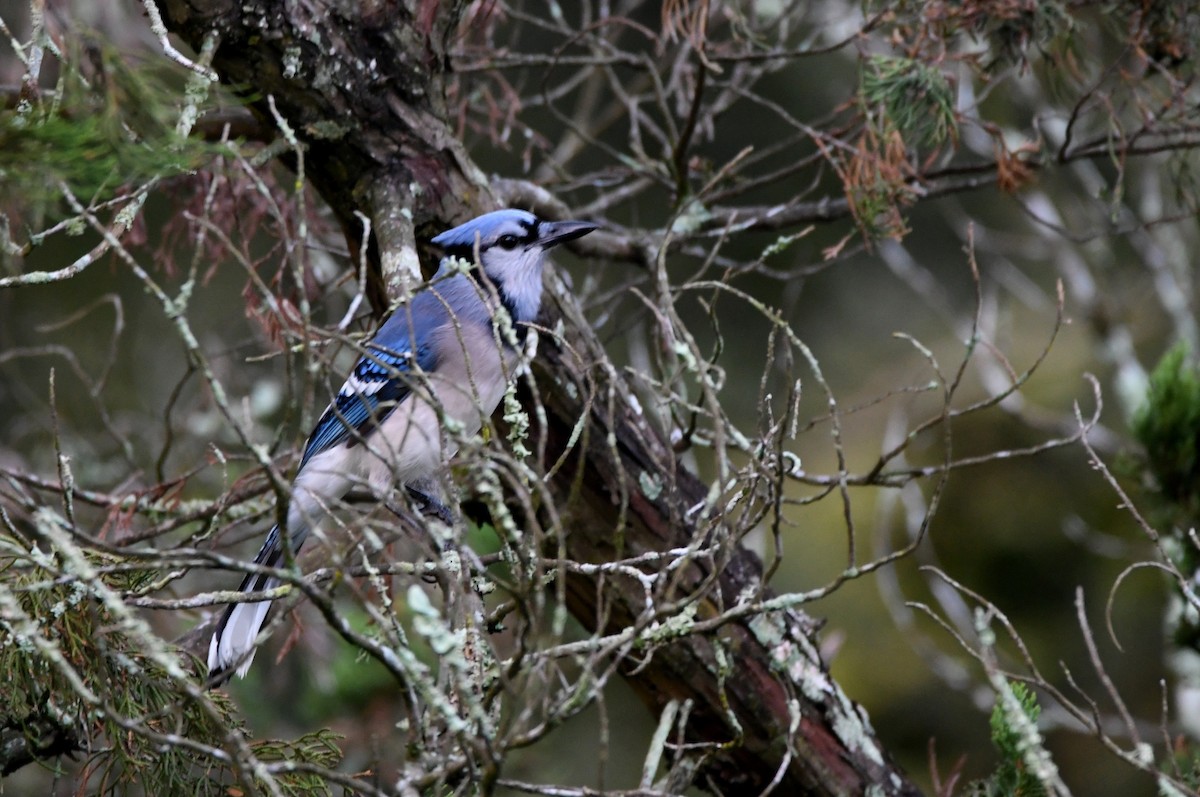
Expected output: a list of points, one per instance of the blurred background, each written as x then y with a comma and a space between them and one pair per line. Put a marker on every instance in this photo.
878, 299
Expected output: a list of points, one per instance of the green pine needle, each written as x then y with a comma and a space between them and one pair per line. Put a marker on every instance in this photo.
911, 97
1168, 427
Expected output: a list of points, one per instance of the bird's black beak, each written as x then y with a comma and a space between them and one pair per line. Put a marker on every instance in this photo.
552, 233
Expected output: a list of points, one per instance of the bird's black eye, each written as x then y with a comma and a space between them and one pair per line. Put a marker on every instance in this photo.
508, 241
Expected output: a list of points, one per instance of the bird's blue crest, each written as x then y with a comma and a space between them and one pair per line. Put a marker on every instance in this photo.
487, 226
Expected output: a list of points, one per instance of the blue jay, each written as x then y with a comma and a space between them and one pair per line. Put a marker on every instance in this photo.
438, 357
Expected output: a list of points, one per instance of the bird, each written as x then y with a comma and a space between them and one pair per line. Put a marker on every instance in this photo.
436, 362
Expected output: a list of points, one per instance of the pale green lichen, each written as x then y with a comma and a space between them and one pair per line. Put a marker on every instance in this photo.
799, 665
684, 353
691, 218
457, 265
854, 732
483, 586
570, 389
797, 659
780, 244
427, 620
674, 627
489, 488
651, 484
518, 422
291, 62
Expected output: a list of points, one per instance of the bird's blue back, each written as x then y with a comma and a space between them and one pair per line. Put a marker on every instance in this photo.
406, 339
372, 390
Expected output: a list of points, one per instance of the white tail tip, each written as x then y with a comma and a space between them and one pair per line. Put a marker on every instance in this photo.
233, 642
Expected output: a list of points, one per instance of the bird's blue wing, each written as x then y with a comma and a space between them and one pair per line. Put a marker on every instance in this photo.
380, 381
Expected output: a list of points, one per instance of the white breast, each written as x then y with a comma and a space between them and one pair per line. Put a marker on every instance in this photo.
469, 382
410, 444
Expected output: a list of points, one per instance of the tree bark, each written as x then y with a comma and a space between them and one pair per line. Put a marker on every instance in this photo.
362, 85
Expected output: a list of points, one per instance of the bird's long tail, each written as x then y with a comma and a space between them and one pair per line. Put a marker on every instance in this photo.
233, 641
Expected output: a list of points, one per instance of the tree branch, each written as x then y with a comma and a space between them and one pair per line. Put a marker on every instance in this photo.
367, 104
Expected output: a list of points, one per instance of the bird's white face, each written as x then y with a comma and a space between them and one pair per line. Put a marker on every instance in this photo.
512, 257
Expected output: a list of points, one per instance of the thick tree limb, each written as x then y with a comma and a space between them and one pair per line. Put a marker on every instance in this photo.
775, 662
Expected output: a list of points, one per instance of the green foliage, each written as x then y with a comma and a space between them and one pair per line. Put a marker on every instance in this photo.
95, 133
911, 97
1167, 32
80, 670
1184, 764
1011, 778
1001, 33
319, 748
1020, 27
1168, 427
908, 105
